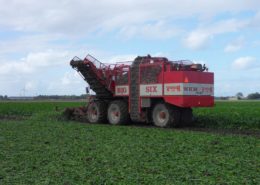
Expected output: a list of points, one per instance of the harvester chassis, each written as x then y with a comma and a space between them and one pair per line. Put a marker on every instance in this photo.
116, 113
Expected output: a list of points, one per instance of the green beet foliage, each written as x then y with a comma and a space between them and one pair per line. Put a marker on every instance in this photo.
43, 149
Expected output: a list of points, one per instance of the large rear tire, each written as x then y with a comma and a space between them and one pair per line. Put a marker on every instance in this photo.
96, 112
117, 113
165, 115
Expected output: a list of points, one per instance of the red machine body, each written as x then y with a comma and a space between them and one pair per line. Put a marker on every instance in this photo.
180, 88
144, 82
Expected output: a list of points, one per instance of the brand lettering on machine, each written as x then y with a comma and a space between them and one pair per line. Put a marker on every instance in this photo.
150, 89
198, 89
121, 90
188, 89
207, 89
173, 88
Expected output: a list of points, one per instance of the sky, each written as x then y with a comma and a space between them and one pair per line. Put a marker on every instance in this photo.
39, 38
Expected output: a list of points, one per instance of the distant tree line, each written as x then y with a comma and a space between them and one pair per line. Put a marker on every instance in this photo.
47, 97
253, 96
240, 96
60, 97
5, 97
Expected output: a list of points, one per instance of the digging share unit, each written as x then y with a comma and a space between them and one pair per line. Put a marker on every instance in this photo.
151, 89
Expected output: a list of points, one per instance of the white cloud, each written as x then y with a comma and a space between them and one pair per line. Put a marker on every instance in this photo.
68, 83
79, 17
197, 39
232, 47
70, 78
157, 30
244, 63
200, 37
28, 43
34, 62
235, 45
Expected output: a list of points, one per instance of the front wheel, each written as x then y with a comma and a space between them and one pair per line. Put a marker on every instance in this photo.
165, 115
117, 113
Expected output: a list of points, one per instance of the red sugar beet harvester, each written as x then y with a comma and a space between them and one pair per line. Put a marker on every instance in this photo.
148, 89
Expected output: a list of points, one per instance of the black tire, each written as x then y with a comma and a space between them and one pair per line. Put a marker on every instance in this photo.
186, 117
165, 115
117, 113
96, 112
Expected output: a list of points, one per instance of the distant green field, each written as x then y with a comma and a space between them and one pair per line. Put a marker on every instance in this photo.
230, 114
38, 147
30, 108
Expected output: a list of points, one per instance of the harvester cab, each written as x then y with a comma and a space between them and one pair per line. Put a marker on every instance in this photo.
151, 89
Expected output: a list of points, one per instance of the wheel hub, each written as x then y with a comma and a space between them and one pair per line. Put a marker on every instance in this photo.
115, 114
162, 115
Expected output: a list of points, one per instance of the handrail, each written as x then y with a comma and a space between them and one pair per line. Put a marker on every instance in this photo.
96, 62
